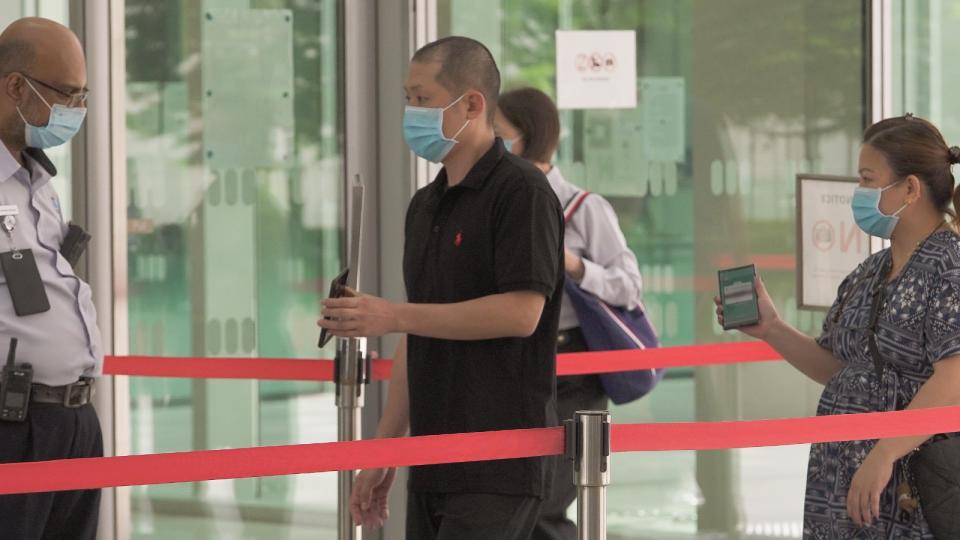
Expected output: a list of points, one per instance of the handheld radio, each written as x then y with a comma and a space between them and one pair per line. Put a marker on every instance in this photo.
15, 387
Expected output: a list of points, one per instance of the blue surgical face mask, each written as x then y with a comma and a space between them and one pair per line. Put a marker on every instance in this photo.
64, 123
423, 131
867, 213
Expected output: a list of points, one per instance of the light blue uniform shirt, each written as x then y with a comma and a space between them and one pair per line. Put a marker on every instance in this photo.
61, 344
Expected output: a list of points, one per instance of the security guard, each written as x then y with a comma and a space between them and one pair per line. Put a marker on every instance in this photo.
483, 266
43, 304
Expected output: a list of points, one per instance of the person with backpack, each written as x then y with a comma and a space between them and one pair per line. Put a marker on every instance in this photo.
596, 259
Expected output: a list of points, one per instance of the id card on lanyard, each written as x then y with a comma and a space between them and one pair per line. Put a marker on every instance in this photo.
20, 270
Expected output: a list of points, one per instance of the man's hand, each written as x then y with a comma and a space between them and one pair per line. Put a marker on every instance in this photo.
368, 502
359, 315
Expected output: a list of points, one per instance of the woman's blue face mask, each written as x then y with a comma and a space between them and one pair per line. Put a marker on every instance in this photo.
867, 213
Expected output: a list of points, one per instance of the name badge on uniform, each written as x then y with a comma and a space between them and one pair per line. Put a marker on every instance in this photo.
24, 282
20, 270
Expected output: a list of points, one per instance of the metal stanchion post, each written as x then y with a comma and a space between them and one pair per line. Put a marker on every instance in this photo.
588, 445
351, 372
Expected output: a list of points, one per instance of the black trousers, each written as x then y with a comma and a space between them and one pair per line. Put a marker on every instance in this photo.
470, 516
577, 393
51, 432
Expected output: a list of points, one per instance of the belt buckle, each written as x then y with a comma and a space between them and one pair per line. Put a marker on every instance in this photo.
82, 397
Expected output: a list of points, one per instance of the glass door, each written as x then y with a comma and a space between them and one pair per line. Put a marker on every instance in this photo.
922, 72
235, 181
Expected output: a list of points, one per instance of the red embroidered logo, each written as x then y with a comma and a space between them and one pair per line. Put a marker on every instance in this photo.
458, 239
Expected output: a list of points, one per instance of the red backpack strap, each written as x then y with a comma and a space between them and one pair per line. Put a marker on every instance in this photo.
573, 205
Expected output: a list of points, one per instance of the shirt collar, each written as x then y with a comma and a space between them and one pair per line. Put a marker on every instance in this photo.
477, 177
40, 158
564, 190
556, 179
38, 164
8, 165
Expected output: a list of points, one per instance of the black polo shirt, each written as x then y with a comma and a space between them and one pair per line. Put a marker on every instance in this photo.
499, 230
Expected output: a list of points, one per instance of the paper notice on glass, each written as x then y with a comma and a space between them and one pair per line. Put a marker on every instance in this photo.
596, 69
248, 90
831, 244
663, 100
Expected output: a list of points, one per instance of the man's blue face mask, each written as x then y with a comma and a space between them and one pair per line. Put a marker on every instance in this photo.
64, 123
423, 131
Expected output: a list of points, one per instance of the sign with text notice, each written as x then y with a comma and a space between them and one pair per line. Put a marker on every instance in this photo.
830, 245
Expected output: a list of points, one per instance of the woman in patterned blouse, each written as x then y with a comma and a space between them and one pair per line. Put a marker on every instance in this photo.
913, 288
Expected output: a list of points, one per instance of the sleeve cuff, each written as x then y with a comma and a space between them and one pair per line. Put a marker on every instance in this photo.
592, 280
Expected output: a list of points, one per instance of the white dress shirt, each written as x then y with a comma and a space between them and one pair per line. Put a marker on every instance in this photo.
593, 234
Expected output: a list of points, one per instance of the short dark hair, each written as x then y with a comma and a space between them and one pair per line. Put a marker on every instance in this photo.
915, 146
464, 64
535, 116
15, 55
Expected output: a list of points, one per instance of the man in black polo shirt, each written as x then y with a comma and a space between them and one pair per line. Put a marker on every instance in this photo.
483, 267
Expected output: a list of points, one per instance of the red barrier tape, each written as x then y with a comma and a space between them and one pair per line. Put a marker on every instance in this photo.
666, 357
86, 473
274, 369
286, 369
89, 473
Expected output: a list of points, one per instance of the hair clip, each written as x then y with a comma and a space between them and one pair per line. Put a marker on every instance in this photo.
908, 116
954, 154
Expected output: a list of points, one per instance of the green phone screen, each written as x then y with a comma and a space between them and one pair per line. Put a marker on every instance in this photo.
739, 295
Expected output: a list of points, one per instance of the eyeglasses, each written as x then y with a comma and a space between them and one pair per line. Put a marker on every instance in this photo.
75, 99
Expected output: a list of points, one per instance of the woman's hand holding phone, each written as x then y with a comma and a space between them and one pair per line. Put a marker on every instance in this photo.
768, 313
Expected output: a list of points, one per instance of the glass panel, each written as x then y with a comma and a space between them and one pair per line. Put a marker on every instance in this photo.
750, 104
234, 189
923, 75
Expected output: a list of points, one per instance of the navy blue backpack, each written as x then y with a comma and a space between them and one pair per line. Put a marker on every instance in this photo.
612, 328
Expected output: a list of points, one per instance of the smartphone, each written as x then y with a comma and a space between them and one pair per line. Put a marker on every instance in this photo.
738, 296
336, 291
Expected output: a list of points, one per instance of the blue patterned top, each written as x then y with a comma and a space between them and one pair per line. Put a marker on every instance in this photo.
919, 324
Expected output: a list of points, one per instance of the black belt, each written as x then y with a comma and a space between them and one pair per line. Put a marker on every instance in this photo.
71, 396
569, 336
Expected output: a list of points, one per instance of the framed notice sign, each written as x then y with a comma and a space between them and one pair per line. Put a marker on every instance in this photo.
596, 69
830, 245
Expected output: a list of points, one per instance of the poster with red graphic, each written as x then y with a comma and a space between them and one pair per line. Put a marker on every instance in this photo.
830, 245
